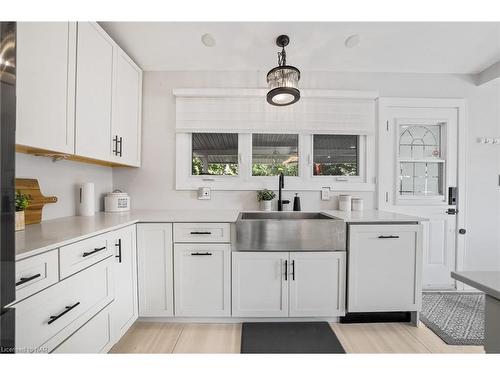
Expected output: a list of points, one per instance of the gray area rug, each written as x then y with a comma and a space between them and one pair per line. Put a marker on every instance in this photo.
458, 318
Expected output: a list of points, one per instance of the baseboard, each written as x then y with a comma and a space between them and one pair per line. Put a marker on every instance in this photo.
234, 319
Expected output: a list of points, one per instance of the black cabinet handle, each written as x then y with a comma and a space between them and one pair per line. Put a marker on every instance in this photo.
293, 270
286, 270
24, 280
86, 254
201, 232
121, 146
198, 254
384, 237
119, 245
67, 309
115, 145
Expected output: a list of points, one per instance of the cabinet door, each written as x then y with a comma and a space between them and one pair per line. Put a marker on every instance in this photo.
126, 119
260, 284
125, 306
93, 92
385, 263
46, 53
155, 273
202, 279
317, 284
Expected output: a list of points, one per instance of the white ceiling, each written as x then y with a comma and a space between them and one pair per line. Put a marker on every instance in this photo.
241, 46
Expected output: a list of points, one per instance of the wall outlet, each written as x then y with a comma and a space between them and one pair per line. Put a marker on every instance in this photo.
325, 193
204, 193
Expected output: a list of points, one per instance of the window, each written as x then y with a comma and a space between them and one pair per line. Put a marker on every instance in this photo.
421, 165
335, 155
214, 154
275, 153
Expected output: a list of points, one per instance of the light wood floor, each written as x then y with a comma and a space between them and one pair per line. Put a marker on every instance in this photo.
148, 337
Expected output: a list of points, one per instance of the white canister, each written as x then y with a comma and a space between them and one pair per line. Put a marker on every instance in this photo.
357, 204
265, 205
344, 202
86, 200
117, 201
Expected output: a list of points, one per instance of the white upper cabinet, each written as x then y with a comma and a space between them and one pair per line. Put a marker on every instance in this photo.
126, 116
46, 53
94, 86
78, 93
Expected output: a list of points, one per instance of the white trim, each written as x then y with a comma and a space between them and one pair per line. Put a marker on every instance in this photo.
261, 92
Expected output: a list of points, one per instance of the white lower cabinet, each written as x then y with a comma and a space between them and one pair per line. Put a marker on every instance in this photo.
295, 284
124, 310
94, 337
317, 284
154, 268
385, 263
47, 318
259, 284
202, 280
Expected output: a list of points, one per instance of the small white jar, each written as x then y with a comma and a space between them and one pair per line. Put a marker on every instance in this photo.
357, 204
344, 202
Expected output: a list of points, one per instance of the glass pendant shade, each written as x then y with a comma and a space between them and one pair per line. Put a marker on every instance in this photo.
283, 82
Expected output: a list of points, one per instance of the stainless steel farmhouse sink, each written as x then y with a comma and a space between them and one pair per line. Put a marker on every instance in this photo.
289, 231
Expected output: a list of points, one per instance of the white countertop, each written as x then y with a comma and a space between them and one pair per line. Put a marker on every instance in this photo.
50, 234
372, 216
485, 281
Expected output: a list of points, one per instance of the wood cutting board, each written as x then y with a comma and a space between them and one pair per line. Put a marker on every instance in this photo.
29, 186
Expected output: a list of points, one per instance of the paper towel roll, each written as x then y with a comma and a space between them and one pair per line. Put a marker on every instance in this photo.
86, 200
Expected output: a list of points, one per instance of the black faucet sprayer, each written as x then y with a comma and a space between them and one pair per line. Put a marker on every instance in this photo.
281, 185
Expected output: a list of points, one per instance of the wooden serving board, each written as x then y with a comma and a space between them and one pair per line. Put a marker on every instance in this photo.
29, 186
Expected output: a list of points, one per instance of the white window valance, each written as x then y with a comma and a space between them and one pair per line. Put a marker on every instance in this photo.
246, 110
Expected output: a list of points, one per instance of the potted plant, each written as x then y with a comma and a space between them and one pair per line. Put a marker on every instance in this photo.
22, 201
265, 197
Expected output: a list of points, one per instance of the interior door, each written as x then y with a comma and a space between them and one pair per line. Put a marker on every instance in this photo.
420, 175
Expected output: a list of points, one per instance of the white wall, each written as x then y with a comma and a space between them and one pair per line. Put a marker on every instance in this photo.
153, 185
61, 179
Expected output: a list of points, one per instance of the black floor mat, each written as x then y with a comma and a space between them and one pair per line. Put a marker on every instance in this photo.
293, 337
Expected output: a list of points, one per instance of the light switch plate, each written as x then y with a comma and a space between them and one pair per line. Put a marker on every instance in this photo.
204, 193
325, 193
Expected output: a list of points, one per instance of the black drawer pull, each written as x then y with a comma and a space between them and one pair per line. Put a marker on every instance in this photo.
293, 270
384, 237
53, 318
201, 232
24, 280
119, 246
286, 270
207, 253
93, 252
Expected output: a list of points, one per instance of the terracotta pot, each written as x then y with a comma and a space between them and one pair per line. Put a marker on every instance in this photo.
265, 205
20, 220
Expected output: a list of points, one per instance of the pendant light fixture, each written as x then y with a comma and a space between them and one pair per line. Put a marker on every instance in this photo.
283, 80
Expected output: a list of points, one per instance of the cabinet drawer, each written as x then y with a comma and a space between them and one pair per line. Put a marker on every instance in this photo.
385, 263
36, 273
202, 232
202, 279
45, 314
80, 255
93, 337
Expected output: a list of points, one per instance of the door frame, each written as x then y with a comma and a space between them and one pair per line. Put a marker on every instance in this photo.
384, 104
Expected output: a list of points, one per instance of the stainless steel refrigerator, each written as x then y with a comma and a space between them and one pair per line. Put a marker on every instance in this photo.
7, 183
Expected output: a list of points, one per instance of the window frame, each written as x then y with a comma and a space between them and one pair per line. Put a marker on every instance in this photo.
305, 181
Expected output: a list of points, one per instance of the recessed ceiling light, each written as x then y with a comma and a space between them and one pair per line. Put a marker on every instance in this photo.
352, 41
208, 40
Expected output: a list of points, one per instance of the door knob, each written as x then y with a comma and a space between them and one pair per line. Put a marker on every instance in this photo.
462, 231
